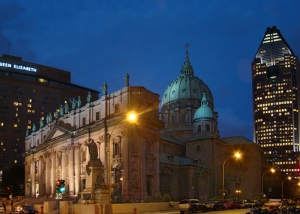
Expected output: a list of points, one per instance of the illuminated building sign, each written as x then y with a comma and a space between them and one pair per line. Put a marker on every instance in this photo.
16, 66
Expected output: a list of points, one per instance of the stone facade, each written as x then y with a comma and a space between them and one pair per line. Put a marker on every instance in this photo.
59, 150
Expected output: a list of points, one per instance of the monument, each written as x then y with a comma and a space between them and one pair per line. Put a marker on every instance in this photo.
94, 177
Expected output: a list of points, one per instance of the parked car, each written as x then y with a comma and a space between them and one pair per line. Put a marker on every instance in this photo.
25, 210
191, 205
2, 210
242, 204
215, 205
252, 203
232, 205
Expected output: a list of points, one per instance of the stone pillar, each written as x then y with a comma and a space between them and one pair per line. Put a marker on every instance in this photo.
63, 163
41, 176
47, 174
32, 175
71, 170
77, 161
53, 173
58, 165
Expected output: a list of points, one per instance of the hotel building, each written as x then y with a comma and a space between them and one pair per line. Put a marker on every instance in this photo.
29, 93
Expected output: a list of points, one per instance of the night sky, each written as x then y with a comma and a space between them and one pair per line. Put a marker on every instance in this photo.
100, 41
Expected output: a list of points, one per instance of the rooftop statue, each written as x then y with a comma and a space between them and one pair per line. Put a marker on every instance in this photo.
89, 97
104, 88
33, 128
78, 102
50, 118
73, 103
56, 115
66, 108
61, 110
127, 79
41, 123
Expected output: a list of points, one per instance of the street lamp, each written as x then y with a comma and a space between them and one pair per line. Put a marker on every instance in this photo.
131, 117
288, 178
237, 156
238, 194
262, 181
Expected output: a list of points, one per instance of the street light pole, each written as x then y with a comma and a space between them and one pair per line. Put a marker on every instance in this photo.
237, 155
262, 181
238, 194
288, 178
130, 117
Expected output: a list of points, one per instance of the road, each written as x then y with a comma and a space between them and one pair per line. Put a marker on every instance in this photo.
235, 211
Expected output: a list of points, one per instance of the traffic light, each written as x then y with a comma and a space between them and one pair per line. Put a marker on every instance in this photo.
60, 186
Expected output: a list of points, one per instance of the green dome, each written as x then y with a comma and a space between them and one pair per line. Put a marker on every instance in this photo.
203, 111
187, 86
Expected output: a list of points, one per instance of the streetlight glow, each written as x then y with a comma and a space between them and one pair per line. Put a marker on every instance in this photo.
132, 116
237, 155
288, 178
272, 170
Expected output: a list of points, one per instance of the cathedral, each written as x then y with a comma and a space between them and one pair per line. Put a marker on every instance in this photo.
173, 148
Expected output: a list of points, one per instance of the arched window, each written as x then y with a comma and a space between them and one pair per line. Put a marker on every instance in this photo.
198, 148
116, 149
207, 127
199, 128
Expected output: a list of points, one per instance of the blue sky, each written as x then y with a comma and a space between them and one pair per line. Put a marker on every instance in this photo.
101, 41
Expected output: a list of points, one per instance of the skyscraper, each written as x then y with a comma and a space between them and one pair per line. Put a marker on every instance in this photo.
275, 83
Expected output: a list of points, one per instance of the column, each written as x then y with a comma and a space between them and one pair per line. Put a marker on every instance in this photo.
41, 183
47, 174
58, 165
71, 170
32, 175
63, 163
77, 161
53, 173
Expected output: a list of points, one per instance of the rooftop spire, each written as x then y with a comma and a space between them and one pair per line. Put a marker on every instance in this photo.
187, 68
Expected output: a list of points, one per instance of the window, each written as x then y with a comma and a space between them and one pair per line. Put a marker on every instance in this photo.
116, 149
83, 121
207, 127
198, 148
117, 108
98, 115
199, 128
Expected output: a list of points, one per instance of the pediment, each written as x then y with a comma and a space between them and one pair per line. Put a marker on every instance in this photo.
56, 134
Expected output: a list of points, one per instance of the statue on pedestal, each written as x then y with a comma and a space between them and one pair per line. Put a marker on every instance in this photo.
93, 149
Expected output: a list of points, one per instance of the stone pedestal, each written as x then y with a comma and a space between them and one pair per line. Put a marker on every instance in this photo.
94, 177
102, 196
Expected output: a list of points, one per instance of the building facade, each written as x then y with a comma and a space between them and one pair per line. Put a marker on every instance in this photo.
29, 92
173, 150
275, 84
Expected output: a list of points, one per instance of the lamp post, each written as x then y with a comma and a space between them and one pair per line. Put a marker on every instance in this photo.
131, 117
238, 194
288, 178
262, 181
236, 155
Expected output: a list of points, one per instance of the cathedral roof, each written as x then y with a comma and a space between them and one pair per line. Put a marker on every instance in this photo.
204, 111
187, 86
